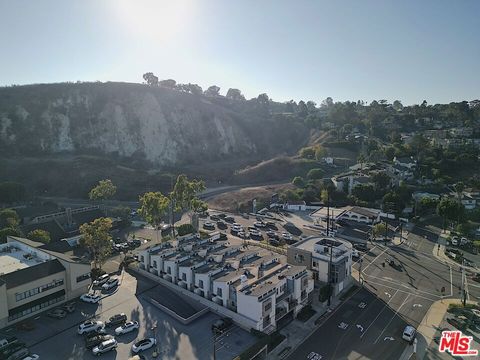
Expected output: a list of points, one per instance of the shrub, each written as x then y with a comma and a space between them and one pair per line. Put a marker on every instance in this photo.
185, 229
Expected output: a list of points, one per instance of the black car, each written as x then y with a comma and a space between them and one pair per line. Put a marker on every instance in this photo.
221, 325
221, 224
69, 307
214, 217
229, 219
271, 224
209, 226
92, 341
116, 319
222, 216
11, 349
360, 247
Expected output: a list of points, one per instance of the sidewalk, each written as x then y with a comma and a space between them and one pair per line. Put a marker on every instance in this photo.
427, 328
439, 253
297, 331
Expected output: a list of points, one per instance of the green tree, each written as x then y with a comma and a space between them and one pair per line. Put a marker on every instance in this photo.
96, 237
307, 153
8, 232
153, 207
123, 212
9, 218
39, 235
320, 152
315, 174
150, 79
389, 153
381, 180
104, 190
379, 230
298, 181
450, 210
364, 192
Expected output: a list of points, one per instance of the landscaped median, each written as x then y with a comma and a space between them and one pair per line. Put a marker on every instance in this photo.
269, 341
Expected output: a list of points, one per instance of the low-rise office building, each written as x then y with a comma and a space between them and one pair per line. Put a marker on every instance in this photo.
34, 278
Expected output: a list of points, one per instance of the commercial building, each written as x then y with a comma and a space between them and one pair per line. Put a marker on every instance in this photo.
254, 283
34, 278
329, 259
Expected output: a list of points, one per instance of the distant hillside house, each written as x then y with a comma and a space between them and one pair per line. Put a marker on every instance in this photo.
348, 181
406, 161
296, 206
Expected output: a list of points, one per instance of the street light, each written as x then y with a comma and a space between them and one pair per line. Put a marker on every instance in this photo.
155, 349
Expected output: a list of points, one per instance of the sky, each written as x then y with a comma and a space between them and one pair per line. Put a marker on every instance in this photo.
408, 50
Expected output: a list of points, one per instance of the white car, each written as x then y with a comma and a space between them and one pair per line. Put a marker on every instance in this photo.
90, 298
110, 284
287, 236
31, 357
101, 280
144, 344
89, 326
355, 254
259, 224
241, 235
409, 333
129, 326
105, 347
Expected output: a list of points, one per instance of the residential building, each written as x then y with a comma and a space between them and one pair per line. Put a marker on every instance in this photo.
235, 277
295, 205
35, 277
352, 213
347, 182
329, 259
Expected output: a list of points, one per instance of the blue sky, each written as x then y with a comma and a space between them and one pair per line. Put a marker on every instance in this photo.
349, 50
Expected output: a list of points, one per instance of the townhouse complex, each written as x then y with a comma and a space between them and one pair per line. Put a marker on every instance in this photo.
255, 284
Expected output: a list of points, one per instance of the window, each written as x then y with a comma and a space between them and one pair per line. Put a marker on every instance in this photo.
169, 270
184, 277
155, 264
83, 277
200, 284
268, 306
142, 258
35, 291
315, 264
219, 292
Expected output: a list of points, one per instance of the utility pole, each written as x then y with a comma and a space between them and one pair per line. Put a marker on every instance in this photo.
464, 293
331, 252
155, 349
360, 271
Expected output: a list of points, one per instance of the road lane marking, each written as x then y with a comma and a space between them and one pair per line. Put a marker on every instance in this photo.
402, 284
384, 307
451, 281
388, 338
366, 267
403, 291
396, 312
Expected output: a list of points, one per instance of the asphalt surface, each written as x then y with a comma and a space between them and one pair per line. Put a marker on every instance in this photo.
54, 339
392, 297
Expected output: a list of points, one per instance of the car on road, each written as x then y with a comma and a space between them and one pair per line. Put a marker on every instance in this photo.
96, 339
355, 254
209, 226
90, 298
110, 284
89, 326
221, 325
360, 247
129, 326
69, 307
455, 240
116, 320
104, 347
409, 333
57, 313
101, 280
143, 345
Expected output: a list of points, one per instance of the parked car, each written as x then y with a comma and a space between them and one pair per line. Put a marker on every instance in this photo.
104, 347
214, 217
57, 313
116, 320
110, 284
129, 326
101, 280
221, 224
89, 326
229, 219
69, 307
390, 261
242, 235
143, 345
360, 246
222, 324
11, 349
274, 242
355, 254
209, 226
259, 224
287, 236
15, 352
97, 339
31, 357
272, 234
7, 341
409, 333
271, 224
90, 298
454, 240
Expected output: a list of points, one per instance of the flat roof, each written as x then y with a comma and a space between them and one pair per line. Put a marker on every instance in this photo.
309, 243
15, 259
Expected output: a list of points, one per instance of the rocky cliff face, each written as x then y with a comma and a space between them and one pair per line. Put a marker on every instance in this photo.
162, 126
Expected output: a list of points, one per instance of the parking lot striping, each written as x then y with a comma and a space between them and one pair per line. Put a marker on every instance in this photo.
403, 291
404, 285
396, 313
384, 307
366, 267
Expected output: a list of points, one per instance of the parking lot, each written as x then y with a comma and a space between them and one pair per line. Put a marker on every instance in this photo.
58, 339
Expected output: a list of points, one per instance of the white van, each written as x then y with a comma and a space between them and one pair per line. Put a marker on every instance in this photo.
409, 333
